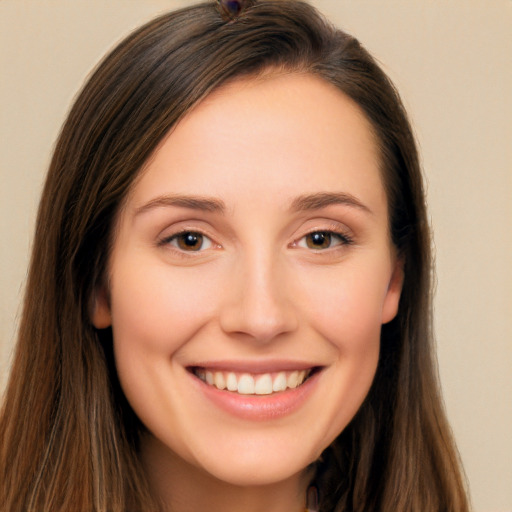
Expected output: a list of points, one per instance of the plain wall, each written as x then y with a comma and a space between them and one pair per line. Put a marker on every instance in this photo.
451, 62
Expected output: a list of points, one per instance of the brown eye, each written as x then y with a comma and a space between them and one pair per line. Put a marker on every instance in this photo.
319, 240
190, 241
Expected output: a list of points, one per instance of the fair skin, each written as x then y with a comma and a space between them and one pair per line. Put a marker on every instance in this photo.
254, 252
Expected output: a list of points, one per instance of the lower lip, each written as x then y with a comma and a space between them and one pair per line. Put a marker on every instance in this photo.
259, 407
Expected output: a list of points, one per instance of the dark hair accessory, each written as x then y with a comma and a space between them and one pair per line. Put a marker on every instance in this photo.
312, 499
231, 9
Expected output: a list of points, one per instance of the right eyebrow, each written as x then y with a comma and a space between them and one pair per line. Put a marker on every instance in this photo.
324, 199
206, 204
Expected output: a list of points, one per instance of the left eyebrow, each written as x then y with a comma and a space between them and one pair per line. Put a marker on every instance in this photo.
324, 199
207, 204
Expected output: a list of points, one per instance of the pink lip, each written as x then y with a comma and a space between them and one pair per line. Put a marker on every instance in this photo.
258, 407
254, 366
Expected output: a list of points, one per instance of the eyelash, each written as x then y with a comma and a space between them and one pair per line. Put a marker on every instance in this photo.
329, 234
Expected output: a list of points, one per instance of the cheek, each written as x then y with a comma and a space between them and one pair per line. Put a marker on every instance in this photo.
346, 306
155, 312
156, 309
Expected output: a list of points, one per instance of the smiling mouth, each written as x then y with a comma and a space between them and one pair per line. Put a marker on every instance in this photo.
245, 383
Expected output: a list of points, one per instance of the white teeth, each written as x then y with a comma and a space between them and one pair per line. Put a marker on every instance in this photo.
219, 381
247, 384
293, 380
231, 382
263, 385
279, 382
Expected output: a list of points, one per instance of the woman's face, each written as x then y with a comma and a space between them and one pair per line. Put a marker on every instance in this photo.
250, 275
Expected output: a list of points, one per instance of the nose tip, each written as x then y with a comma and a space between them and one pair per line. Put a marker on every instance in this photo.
259, 307
260, 323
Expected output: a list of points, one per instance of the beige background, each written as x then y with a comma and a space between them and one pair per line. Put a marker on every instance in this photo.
451, 61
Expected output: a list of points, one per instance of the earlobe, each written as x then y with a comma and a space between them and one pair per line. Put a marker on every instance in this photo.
392, 300
100, 310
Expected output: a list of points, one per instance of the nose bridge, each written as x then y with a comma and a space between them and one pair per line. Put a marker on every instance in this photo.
259, 304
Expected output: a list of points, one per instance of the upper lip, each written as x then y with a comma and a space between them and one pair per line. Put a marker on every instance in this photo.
254, 366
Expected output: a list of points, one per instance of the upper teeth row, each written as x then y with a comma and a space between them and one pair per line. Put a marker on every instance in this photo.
248, 384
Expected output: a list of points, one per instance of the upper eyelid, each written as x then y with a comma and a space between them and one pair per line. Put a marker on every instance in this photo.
326, 225
185, 227
344, 236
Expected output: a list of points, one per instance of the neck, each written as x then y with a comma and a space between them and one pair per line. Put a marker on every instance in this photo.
183, 487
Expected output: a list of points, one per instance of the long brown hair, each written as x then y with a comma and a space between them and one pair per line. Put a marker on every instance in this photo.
68, 439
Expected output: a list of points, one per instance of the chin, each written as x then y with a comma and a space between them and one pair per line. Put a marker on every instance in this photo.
258, 463
245, 473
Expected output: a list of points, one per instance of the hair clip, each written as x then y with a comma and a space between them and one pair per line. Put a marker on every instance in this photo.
231, 9
312, 499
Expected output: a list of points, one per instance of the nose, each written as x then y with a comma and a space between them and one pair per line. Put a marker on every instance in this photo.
258, 302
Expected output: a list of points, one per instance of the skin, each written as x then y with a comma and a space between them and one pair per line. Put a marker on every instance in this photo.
255, 291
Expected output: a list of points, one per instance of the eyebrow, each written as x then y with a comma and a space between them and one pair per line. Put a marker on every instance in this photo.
209, 204
206, 204
324, 199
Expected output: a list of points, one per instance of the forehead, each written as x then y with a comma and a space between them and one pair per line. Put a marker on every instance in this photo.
281, 132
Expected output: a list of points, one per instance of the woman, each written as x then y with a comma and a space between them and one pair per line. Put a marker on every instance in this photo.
228, 305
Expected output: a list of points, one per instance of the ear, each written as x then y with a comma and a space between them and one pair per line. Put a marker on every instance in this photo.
392, 299
101, 317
